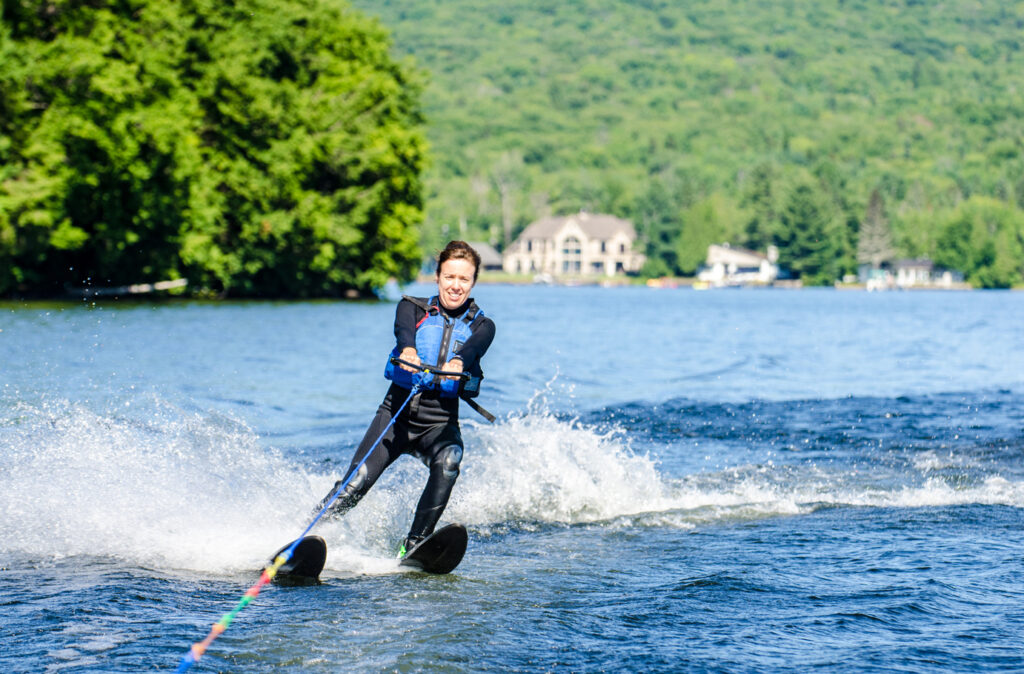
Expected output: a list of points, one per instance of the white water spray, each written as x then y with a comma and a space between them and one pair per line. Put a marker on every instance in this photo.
183, 490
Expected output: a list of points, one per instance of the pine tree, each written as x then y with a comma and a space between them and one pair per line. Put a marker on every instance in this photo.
658, 230
807, 239
874, 246
759, 198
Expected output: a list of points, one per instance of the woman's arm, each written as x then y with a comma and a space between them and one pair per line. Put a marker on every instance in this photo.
407, 315
405, 324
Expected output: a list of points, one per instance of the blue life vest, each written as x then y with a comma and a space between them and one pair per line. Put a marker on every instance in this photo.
438, 340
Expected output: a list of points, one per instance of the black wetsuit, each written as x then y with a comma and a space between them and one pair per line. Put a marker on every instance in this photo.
428, 428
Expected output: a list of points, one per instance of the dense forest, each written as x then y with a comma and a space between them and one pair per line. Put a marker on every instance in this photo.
250, 148
843, 131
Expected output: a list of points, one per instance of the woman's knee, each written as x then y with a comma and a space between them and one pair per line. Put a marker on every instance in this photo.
448, 461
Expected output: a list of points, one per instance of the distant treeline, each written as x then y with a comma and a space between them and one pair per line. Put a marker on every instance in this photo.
254, 148
843, 131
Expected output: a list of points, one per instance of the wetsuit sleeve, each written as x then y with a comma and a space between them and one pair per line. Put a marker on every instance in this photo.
406, 316
476, 346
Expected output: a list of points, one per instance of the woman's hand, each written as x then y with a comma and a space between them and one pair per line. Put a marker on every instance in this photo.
410, 356
454, 365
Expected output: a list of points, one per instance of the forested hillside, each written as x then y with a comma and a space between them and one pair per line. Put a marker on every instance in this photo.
840, 129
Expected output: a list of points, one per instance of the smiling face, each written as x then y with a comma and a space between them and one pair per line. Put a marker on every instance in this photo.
454, 281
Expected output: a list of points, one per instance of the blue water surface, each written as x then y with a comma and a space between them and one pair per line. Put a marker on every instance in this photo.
726, 481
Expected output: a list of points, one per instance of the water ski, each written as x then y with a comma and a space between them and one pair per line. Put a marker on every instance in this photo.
306, 563
440, 552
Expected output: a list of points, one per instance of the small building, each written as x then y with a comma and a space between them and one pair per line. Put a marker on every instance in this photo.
490, 259
909, 273
584, 244
729, 266
913, 273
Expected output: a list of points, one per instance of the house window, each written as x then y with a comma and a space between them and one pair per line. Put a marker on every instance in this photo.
604, 246
622, 248
571, 253
597, 267
529, 245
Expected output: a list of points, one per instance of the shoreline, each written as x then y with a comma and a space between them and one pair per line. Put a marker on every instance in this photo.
669, 283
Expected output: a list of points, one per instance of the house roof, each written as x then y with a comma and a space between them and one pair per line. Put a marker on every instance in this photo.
489, 257
920, 263
594, 225
727, 254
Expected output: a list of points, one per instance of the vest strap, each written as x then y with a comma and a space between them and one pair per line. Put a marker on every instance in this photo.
426, 306
480, 410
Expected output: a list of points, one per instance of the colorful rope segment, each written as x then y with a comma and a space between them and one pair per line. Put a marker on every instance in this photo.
199, 648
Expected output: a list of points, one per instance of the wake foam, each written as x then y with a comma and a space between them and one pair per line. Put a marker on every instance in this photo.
175, 490
538, 468
172, 489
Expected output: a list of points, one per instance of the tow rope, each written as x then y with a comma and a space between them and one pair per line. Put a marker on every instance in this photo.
199, 648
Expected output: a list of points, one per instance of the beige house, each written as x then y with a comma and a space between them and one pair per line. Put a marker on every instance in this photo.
584, 244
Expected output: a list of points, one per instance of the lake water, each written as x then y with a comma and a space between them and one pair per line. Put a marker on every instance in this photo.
728, 481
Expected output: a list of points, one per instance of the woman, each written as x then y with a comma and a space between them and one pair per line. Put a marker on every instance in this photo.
447, 331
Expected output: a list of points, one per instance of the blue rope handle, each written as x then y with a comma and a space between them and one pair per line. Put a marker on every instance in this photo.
352, 473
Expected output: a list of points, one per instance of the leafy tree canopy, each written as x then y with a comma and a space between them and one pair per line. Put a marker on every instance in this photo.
985, 237
255, 147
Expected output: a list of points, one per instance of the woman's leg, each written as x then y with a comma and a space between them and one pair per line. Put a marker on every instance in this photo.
383, 455
444, 470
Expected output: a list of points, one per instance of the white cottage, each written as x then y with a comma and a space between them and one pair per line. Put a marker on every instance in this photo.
727, 266
584, 244
919, 273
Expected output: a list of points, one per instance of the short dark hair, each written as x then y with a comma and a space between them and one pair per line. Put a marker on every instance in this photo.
459, 250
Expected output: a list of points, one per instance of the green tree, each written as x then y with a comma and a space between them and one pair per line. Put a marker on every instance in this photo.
262, 147
759, 197
845, 228
713, 220
807, 241
658, 228
984, 238
657, 212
